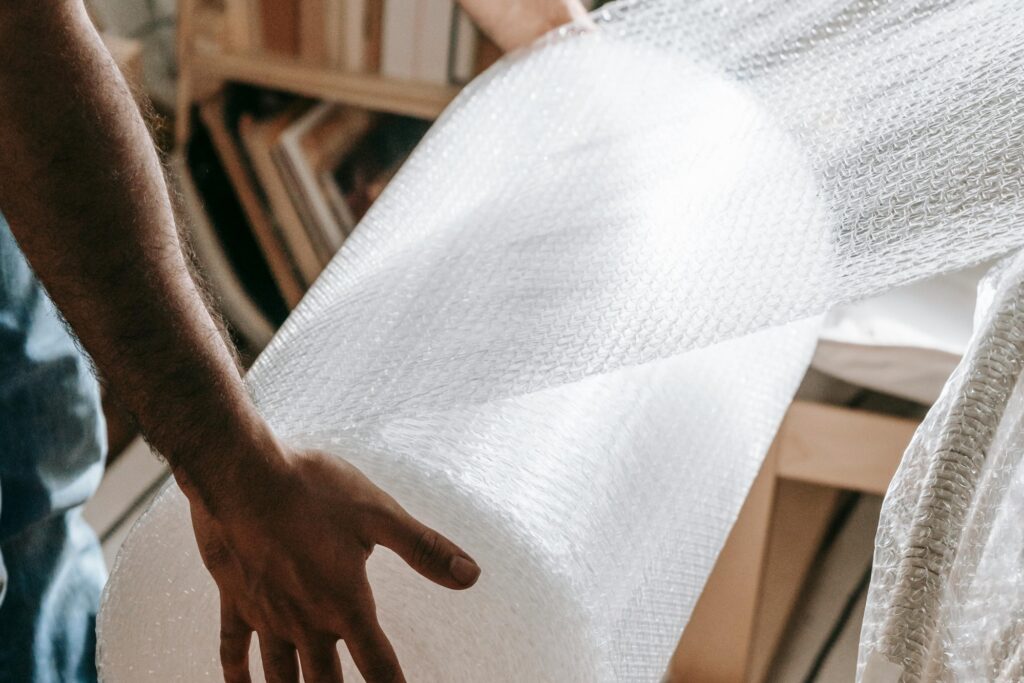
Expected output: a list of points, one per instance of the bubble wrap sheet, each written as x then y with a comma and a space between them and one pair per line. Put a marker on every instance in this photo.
946, 601
527, 340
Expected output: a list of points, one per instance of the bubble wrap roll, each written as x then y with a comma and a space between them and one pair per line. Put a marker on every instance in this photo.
596, 511
946, 600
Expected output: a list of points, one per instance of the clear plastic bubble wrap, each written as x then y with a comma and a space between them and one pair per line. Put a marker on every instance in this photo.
525, 341
543, 490
946, 601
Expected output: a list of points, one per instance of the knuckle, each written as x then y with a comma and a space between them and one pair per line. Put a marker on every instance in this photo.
233, 651
357, 621
232, 633
319, 651
229, 647
279, 657
315, 640
215, 554
429, 549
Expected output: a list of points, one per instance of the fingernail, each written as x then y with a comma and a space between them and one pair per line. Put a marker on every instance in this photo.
464, 570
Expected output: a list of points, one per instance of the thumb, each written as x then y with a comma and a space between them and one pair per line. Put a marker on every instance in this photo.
428, 552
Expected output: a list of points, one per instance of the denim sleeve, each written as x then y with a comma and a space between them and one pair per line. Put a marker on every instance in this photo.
52, 448
52, 436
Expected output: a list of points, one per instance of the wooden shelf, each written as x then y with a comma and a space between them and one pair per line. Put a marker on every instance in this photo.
423, 100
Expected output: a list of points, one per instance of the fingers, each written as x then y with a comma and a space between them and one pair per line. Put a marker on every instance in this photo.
576, 11
235, 636
428, 552
320, 662
279, 660
371, 650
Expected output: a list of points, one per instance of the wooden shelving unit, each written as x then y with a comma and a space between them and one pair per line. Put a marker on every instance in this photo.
369, 91
205, 67
209, 58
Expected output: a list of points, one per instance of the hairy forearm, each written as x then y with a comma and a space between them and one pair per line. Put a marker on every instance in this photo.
83, 191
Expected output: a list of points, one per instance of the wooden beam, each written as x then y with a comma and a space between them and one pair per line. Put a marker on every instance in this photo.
840, 447
183, 45
749, 596
424, 100
801, 517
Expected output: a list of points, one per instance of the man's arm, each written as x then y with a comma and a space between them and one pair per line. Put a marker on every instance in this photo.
83, 191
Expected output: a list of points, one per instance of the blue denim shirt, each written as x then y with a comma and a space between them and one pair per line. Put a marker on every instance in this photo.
52, 447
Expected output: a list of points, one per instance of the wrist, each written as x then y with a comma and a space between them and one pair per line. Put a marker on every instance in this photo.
227, 471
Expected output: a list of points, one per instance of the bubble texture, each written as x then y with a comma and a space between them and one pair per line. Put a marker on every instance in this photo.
563, 335
595, 509
946, 601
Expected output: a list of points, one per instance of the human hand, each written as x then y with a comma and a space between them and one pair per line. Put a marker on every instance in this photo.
289, 559
514, 23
